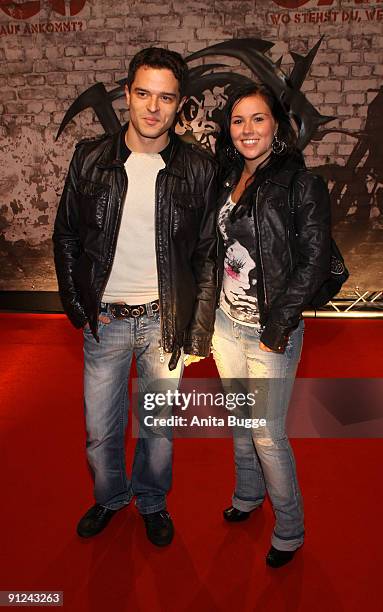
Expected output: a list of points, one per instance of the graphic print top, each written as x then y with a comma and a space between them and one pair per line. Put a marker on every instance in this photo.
239, 288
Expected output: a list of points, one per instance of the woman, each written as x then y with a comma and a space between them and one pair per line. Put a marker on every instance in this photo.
274, 223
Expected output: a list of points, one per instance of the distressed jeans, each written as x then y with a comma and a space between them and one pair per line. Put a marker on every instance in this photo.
106, 374
264, 460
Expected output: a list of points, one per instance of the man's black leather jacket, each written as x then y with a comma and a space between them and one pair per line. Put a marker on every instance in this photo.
87, 225
293, 249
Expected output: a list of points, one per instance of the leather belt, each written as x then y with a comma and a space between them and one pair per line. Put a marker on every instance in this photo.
124, 311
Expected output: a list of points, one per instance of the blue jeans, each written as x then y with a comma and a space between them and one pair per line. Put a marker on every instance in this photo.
106, 374
264, 459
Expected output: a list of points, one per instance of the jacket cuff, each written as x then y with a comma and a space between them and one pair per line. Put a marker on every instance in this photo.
75, 315
78, 321
197, 345
275, 337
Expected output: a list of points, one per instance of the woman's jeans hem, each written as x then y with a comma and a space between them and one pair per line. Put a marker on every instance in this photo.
264, 459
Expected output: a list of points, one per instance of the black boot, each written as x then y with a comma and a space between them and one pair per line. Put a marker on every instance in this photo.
233, 515
277, 558
94, 521
159, 527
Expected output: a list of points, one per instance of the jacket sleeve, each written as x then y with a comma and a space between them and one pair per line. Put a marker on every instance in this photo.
198, 336
67, 247
313, 255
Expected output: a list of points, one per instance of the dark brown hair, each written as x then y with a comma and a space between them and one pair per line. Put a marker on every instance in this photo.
156, 57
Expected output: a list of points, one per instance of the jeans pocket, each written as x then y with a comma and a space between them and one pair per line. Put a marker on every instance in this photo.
100, 327
252, 333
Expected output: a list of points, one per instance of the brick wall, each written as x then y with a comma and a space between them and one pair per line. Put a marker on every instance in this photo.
42, 72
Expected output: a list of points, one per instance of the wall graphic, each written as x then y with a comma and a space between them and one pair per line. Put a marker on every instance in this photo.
63, 65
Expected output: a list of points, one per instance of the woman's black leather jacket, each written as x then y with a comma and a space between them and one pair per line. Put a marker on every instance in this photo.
293, 249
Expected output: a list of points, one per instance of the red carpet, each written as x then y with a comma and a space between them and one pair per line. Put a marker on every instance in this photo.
211, 566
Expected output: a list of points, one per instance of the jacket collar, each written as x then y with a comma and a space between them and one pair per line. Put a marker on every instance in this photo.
285, 174
112, 154
282, 177
116, 153
230, 179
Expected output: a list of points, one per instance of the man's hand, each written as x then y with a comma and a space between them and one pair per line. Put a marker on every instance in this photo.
188, 359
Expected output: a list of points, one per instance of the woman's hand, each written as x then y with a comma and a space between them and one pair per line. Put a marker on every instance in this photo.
265, 348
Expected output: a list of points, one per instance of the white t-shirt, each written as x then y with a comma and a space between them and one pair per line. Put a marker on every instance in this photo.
134, 279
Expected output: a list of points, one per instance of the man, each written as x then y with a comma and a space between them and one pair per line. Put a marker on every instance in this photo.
135, 256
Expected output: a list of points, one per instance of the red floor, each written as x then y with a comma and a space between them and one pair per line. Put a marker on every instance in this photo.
211, 566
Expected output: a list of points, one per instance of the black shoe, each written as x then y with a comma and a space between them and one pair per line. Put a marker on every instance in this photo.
277, 558
233, 515
159, 527
94, 521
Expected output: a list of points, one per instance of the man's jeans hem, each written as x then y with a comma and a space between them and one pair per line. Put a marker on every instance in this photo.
118, 505
142, 509
246, 505
287, 544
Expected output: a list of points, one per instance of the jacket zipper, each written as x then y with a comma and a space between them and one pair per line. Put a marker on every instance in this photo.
114, 238
291, 222
260, 247
160, 292
218, 262
289, 249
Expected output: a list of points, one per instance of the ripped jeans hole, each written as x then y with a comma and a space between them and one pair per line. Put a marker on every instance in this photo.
265, 441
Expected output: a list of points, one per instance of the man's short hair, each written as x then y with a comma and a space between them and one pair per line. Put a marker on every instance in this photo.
156, 57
